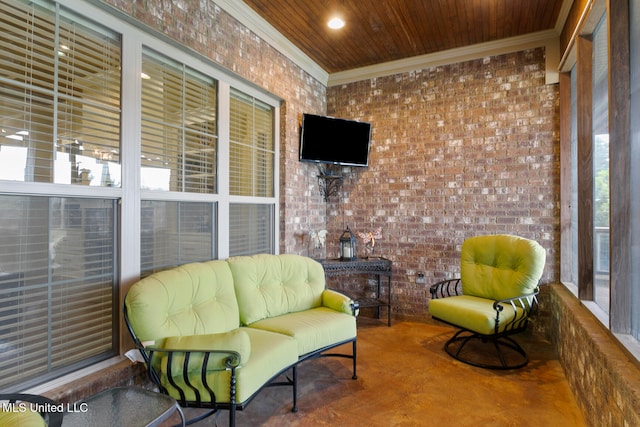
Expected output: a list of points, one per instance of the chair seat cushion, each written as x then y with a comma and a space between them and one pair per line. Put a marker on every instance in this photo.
270, 354
312, 329
21, 416
472, 313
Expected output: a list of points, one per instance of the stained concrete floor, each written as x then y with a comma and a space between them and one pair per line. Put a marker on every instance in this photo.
405, 378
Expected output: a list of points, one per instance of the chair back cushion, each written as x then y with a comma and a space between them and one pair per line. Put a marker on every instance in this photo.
272, 285
500, 266
192, 299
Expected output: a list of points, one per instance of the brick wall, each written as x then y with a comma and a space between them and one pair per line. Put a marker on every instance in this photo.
604, 378
457, 150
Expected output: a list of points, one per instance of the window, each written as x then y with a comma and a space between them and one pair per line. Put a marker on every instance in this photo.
250, 229
179, 128
251, 174
57, 294
571, 257
179, 154
600, 132
60, 125
603, 66
252, 147
60, 97
175, 233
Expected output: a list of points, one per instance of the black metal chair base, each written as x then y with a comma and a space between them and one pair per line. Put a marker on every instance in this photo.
492, 352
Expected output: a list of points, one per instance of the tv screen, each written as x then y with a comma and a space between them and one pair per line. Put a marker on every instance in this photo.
336, 141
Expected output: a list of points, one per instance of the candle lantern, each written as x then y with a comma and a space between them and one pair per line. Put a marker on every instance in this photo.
347, 245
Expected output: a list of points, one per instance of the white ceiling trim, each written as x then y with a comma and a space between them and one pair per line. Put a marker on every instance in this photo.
549, 39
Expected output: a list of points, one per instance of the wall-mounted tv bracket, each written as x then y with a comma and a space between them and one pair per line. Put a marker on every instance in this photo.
329, 180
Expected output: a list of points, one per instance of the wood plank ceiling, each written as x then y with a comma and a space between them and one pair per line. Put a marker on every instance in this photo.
378, 31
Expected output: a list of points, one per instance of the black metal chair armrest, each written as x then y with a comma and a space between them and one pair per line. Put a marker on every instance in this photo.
227, 359
446, 288
524, 300
523, 306
355, 308
182, 364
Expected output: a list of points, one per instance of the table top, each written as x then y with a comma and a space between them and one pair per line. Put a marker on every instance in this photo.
359, 265
121, 406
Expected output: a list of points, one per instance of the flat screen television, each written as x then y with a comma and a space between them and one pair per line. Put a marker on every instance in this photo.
335, 141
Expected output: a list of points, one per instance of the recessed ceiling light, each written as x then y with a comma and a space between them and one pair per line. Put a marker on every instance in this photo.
335, 23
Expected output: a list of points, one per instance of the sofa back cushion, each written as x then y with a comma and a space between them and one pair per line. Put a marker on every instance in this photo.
272, 285
192, 299
500, 266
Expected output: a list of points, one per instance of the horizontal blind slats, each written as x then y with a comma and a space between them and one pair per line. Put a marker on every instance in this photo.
250, 229
179, 128
59, 254
61, 65
175, 233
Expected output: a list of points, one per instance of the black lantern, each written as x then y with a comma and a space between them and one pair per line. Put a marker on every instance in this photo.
347, 245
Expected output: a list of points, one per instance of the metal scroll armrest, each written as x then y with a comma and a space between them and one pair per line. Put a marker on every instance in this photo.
522, 307
178, 368
446, 288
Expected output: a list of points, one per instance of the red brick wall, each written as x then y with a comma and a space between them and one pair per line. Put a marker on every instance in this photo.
457, 150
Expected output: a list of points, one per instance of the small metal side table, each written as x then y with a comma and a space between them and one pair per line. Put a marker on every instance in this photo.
122, 406
372, 265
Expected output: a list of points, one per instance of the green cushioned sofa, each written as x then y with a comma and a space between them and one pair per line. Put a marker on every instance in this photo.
214, 333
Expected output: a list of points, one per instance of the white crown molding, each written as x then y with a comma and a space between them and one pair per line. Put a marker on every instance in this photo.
549, 39
254, 22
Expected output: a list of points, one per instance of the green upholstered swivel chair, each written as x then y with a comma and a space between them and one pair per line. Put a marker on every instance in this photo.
493, 299
29, 410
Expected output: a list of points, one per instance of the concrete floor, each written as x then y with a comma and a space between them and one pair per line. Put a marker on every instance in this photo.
406, 379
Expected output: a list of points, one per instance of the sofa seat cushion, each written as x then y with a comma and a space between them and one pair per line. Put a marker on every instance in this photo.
271, 353
472, 313
312, 329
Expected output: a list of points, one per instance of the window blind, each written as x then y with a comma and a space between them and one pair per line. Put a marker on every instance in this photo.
57, 297
252, 147
61, 97
175, 233
179, 127
250, 229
